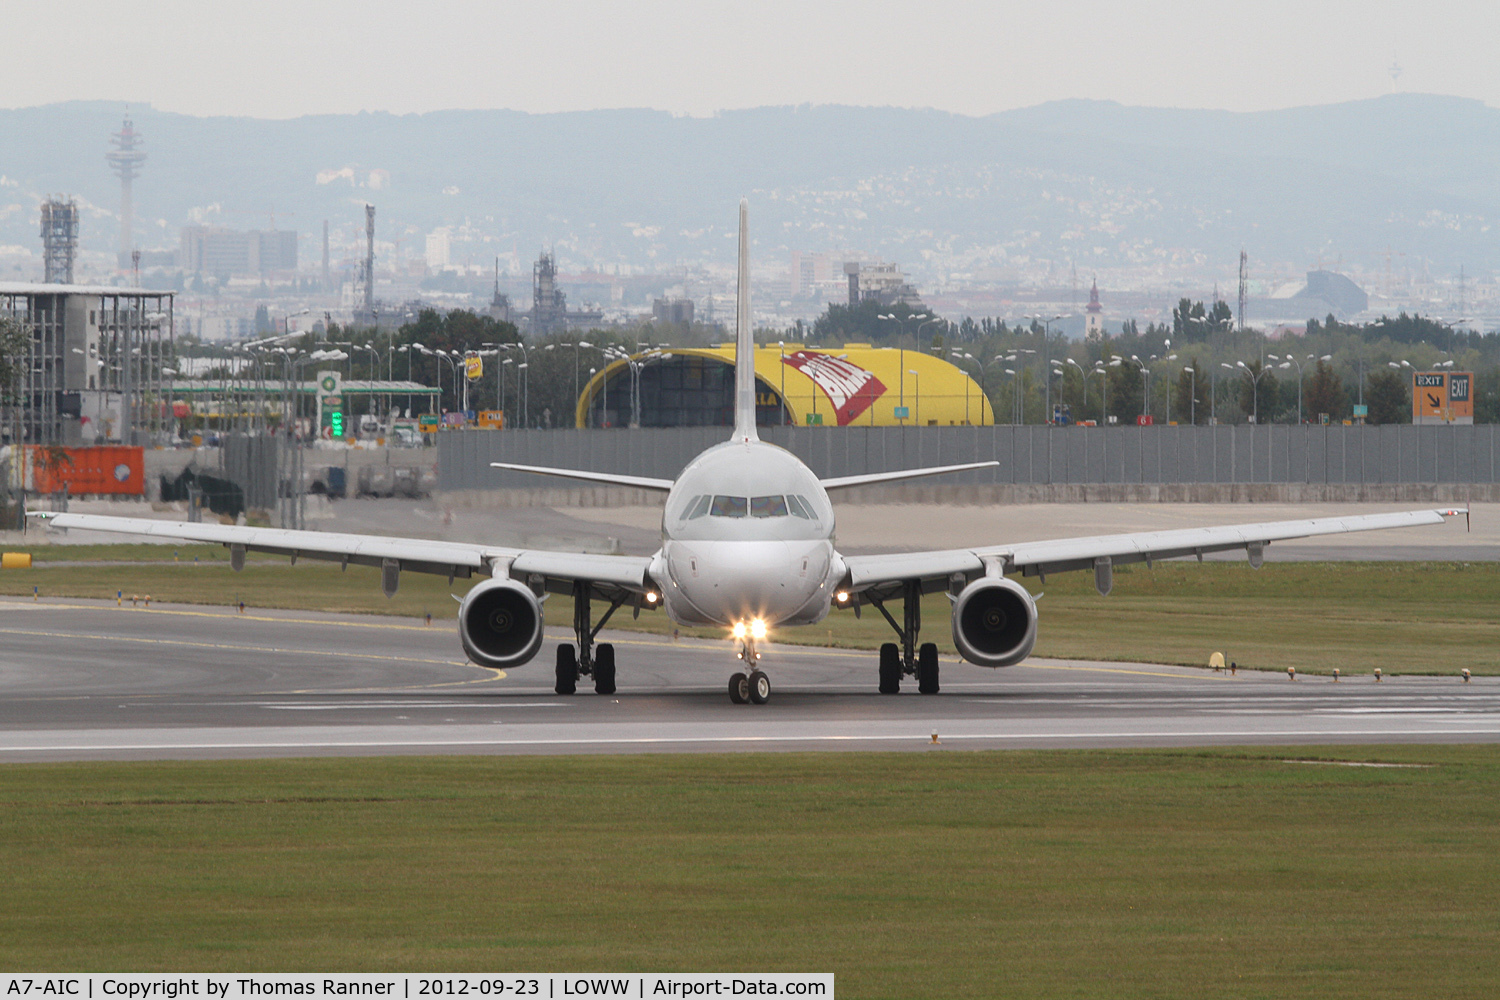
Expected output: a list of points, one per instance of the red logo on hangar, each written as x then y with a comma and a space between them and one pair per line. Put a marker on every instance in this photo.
851, 389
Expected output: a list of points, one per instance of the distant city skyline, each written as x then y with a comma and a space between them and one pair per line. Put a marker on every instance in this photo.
278, 59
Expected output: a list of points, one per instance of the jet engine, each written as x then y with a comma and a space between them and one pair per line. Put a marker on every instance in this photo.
994, 622
500, 623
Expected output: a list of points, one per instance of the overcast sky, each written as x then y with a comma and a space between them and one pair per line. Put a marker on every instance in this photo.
283, 58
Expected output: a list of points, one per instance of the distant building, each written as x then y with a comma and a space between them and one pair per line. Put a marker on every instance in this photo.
1094, 324
676, 312
439, 248
883, 283
1325, 293
216, 250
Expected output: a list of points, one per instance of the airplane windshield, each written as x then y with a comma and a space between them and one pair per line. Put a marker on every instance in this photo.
772, 506
727, 507
696, 508
800, 507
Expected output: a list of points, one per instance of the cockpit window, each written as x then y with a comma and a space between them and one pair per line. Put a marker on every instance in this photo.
696, 508
727, 507
772, 506
800, 507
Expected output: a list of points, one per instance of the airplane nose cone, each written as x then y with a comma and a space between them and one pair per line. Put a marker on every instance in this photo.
736, 581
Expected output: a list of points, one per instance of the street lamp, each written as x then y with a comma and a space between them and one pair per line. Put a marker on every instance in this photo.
1254, 377
1046, 359
918, 393
1146, 396
1192, 393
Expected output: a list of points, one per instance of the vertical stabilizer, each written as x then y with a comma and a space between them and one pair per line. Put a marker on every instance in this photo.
744, 341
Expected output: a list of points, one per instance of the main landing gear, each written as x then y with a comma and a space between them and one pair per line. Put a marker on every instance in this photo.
754, 686
908, 659
586, 659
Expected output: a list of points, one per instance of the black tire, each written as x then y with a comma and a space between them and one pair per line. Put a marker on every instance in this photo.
604, 668
567, 668
927, 668
760, 687
739, 688
890, 669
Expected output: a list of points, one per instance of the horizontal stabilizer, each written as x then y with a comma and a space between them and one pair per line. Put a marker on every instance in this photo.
637, 482
844, 482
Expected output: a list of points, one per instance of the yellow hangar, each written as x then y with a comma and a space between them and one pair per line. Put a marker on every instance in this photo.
851, 386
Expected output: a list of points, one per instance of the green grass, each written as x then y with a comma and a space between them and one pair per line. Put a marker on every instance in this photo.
1402, 617
1066, 874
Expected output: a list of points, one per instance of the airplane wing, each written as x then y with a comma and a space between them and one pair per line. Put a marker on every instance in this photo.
557, 570
843, 482
879, 573
639, 482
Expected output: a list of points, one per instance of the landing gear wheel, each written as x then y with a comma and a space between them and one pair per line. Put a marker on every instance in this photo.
890, 668
567, 669
927, 668
760, 687
604, 668
739, 688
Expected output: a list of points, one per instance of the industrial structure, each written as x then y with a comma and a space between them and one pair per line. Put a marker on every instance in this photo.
59, 240
125, 160
855, 385
365, 314
549, 304
95, 366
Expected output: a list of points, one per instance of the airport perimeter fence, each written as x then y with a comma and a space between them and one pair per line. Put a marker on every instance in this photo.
1028, 455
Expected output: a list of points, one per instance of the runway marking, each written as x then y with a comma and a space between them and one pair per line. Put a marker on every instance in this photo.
923, 738
1122, 670
247, 649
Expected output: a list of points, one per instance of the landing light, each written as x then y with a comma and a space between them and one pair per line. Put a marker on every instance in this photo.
758, 629
843, 596
651, 596
739, 630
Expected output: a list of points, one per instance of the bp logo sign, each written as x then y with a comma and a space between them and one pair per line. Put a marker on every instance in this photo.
328, 382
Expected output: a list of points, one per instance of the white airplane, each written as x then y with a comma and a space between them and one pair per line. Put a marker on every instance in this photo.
747, 544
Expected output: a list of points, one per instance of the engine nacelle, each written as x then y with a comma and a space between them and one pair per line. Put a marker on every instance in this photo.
500, 623
994, 622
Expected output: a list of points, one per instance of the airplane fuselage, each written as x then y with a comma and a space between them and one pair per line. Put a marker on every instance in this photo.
747, 536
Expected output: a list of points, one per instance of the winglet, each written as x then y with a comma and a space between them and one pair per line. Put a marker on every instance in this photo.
744, 340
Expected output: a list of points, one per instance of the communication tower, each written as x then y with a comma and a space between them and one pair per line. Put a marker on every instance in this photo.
369, 266
125, 160
59, 240
1244, 287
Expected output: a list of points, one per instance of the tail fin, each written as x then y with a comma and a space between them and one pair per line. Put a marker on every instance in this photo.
744, 341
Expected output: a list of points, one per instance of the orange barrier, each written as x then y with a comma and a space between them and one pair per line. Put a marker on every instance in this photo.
119, 469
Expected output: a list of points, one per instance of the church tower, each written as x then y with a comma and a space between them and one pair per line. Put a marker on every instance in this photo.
1095, 327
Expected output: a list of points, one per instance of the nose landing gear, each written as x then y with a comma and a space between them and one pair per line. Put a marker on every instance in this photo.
753, 688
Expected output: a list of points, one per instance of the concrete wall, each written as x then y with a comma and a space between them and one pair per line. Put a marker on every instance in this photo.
1037, 463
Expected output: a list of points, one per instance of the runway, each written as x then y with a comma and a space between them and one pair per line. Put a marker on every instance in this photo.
85, 680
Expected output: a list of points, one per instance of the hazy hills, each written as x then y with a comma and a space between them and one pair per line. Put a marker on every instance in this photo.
1092, 182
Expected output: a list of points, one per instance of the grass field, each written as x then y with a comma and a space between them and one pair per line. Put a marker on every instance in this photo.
1401, 617
1210, 873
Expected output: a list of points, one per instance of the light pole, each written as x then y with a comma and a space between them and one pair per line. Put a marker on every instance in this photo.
1146, 392
928, 322
1046, 360
1288, 362
918, 393
1015, 391
1192, 393
1254, 377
